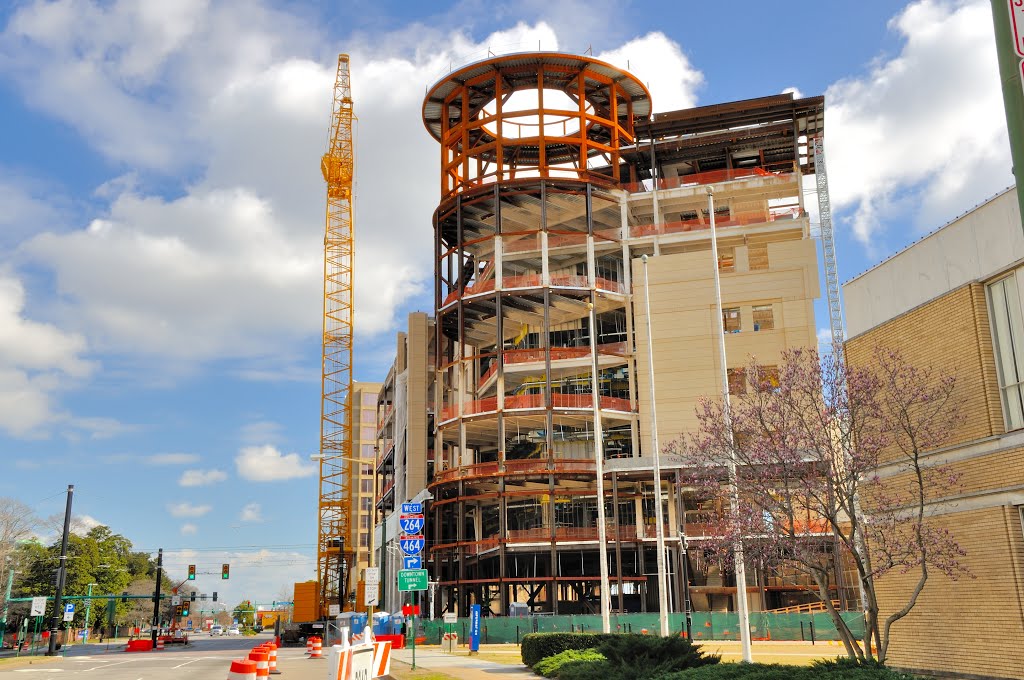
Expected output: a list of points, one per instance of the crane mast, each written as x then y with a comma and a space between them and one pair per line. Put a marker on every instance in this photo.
336, 473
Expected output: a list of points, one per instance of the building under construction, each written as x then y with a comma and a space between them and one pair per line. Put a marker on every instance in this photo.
555, 180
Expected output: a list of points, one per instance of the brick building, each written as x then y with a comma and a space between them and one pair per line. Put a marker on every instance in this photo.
953, 301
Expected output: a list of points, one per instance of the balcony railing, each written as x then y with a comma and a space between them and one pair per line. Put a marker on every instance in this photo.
535, 401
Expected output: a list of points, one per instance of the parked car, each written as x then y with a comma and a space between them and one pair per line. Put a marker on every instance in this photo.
216, 630
233, 630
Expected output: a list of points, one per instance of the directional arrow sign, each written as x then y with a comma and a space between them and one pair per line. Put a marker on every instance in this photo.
415, 562
411, 525
412, 545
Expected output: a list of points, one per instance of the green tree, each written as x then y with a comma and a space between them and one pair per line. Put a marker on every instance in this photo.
244, 613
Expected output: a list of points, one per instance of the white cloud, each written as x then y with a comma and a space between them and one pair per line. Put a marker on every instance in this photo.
661, 65
251, 513
189, 529
83, 524
186, 509
201, 477
267, 464
924, 132
36, 361
231, 266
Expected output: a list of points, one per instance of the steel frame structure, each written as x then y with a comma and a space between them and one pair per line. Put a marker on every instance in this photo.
335, 504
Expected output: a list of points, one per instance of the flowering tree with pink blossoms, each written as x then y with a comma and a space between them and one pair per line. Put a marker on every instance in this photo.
815, 459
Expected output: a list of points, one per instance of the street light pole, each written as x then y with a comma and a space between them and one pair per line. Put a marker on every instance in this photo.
741, 572
659, 530
58, 611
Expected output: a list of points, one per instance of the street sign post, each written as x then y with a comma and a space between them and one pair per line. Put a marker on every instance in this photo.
69, 612
38, 606
412, 579
412, 562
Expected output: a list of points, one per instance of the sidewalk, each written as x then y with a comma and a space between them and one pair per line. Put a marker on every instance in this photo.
459, 665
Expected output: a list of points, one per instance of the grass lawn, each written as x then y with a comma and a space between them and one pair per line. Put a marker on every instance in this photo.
402, 671
25, 661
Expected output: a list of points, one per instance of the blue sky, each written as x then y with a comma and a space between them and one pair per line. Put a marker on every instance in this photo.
161, 215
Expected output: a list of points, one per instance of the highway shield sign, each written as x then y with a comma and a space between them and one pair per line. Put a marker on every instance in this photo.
412, 545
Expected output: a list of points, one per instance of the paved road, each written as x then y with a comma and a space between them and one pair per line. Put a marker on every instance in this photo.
205, 658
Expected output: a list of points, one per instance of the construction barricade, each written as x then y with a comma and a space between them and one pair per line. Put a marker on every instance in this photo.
262, 660
317, 649
242, 669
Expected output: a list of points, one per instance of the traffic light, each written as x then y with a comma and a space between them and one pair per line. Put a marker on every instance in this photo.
225, 571
184, 610
177, 610
193, 597
191, 572
215, 596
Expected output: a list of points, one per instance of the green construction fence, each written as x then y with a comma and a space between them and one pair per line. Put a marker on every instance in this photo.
704, 626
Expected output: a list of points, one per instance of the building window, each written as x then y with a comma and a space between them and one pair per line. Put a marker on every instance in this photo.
737, 381
368, 451
369, 399
726, 260
764, 318
366, 485
731, 319
757, 256
368, 433
1008, 338
368, 415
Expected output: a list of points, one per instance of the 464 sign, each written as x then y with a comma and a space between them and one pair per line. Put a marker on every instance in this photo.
412, 545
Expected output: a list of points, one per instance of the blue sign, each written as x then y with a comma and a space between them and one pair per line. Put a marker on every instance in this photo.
69, 608
412, 508
415, 562
474, 628
411, 525
412, 545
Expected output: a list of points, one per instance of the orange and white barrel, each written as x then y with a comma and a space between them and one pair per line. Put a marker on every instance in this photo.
272, 648
262, 660
309, 644
242, 669
159, 643
318, 649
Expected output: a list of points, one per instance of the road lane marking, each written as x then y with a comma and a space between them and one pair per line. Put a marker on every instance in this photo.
187, 663
87, 670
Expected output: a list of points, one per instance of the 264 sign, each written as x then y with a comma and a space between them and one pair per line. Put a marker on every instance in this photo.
411, 525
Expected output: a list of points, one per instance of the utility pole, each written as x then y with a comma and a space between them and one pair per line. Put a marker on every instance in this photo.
1008, 22
58, 609
156, 597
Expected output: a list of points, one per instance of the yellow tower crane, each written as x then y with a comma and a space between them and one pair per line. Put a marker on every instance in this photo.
335, 507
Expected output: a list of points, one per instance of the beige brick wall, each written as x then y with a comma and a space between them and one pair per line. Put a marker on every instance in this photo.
970, 625
973, 625
951, 334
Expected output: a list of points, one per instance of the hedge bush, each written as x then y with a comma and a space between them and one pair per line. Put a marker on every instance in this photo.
537, 646
841, 669
628, 655
551, 666
653, 657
